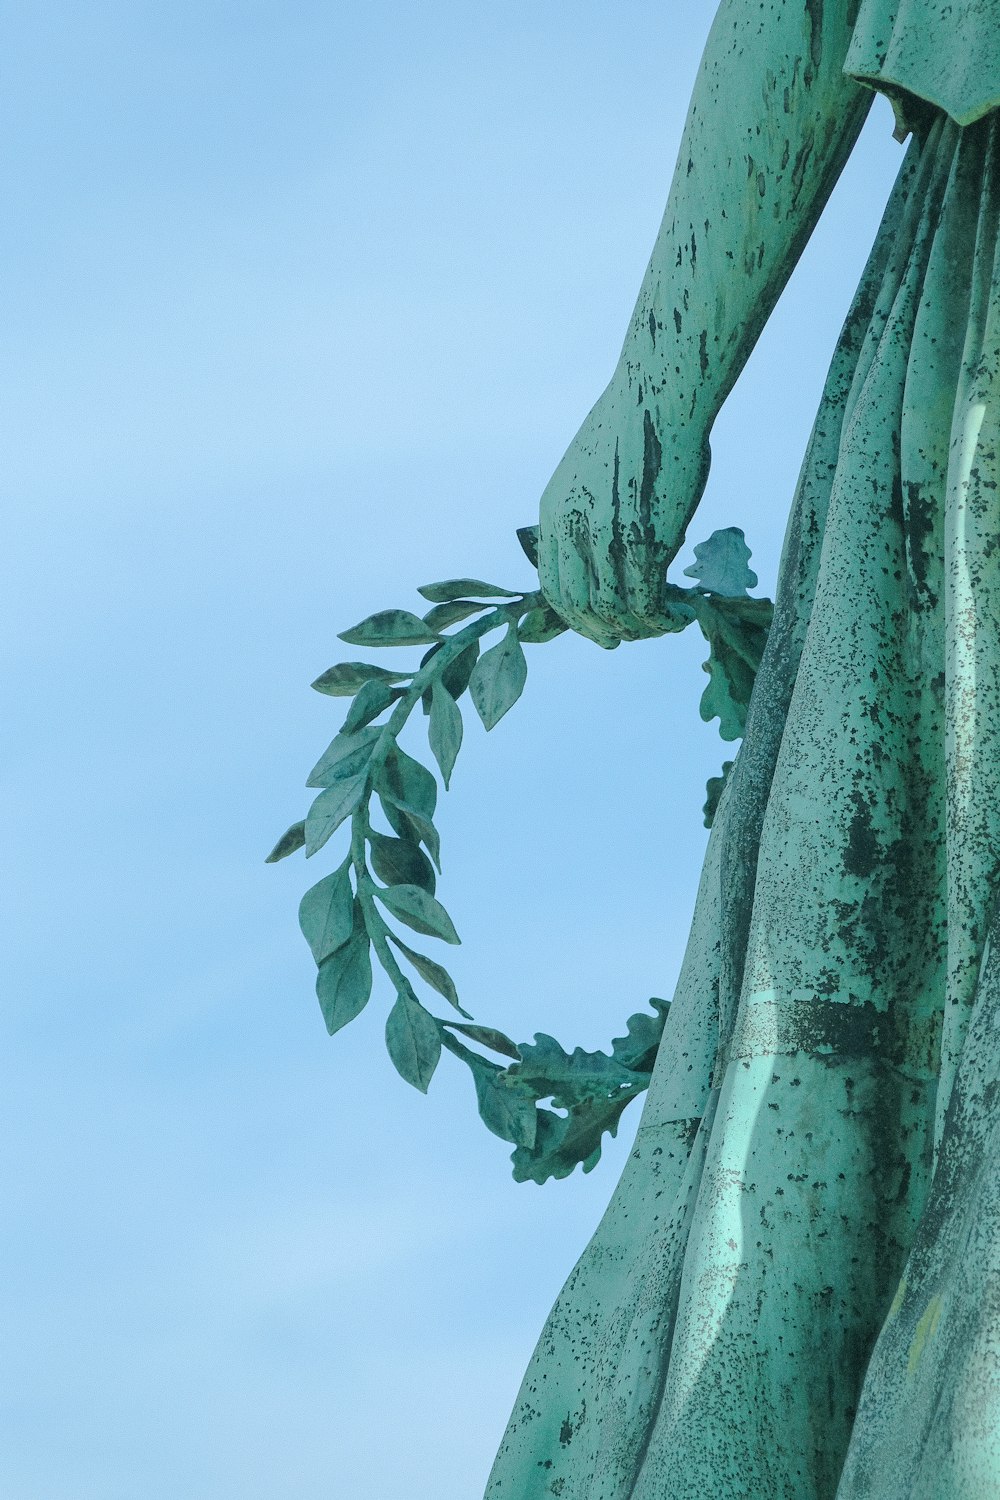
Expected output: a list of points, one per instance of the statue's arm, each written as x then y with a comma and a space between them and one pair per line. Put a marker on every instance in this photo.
771, 122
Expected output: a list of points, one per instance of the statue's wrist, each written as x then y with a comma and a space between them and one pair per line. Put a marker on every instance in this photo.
673, 372
683, 464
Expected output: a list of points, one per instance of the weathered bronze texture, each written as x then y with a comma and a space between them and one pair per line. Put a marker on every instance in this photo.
795, 1292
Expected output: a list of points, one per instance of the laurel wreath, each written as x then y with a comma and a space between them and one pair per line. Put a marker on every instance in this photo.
390, 873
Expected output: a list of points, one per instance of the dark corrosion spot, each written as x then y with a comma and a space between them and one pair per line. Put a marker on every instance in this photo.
861, 855
652, 459
920, 514
814, 11
904, 1182
799, 167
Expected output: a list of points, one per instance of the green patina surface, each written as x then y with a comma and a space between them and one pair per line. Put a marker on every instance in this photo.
795, 1291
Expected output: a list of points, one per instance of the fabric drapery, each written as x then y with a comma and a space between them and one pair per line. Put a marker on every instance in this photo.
943, 52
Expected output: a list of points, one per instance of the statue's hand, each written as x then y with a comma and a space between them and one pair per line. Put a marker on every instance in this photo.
613, 516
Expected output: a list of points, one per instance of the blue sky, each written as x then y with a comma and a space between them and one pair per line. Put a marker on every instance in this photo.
303, 304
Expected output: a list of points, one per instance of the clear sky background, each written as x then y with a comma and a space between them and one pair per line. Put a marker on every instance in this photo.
303, 303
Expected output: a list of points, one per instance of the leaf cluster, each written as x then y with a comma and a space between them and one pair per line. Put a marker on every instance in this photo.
736, 628
551, 1105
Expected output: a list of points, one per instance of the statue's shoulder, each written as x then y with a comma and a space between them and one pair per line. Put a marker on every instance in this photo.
947, 54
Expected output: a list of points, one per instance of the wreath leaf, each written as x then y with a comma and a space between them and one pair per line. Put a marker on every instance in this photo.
413, 1040
331, 808
408, 782
424, 913
344, 982
347, 755
326, 913
445, 730
343, 680
409, 822
455, 677
293, 838
390, 627
720, 564
371, 700
528, 538
498, 679
563, 1142
437, 977
401, 862
736, 630
714, 789
458, 588
504, 1108
443, 615
488, 1036
541, 625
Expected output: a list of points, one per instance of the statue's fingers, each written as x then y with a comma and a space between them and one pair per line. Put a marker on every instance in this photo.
609, 603
648, 602
605, 620
557, 567
598, 630
563, 576
615, 618
574, 596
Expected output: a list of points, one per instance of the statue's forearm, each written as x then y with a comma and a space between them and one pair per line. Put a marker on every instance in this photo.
771, 122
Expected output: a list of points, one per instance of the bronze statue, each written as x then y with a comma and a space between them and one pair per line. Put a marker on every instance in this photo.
795, 1291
